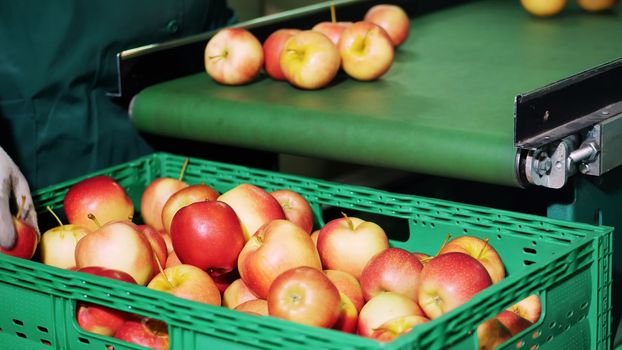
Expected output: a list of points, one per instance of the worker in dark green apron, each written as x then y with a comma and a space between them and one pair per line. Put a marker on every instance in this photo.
57, 64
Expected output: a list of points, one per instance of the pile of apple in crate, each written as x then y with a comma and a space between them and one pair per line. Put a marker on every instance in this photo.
257, 252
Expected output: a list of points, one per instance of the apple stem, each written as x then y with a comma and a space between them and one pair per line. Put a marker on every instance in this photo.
348, 220
21, 208
333, 15
425, 260
56, 217
161, 269
94, 219
183, 169
483, 248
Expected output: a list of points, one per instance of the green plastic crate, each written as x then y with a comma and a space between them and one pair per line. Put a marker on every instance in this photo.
567, 264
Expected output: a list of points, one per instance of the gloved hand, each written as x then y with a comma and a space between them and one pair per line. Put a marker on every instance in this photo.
13, 185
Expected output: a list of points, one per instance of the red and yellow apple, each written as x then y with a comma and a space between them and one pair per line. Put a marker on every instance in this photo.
392, 270
146, 332
332, 30
158, 245
58, 245
597, 5
450, 280
396, 327
348, 243
383, 308
26, 240
253, 205
296, 208
276, 247
529, 308
480, 250
254, 306
233, 56
187, 282
272, 48
514, 323
117, 245
491, 334
100, 196
154, 198
304, 295
393, 19
366, 51
309, 60
543, 8
237, 293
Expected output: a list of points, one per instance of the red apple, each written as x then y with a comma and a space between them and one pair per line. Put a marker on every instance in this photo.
304, 295
332, 30
184, 197
383, 308
450, 280
491, 334
146, 332
272, 48
529, 308
154, 198
101, 196
275, 248
393, 19
236, 294
514, 323
158, 245
348, 285
58, 245
254, 306
366, 51
233, 56
396, 327
310, 60
296, 208
348, 315
224, 280
480, 250
187, 282
207, 235
348, 243
253, 205
117, 245
392, 270
26, 240
99, 319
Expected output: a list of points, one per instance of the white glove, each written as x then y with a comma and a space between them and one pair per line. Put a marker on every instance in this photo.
13, 185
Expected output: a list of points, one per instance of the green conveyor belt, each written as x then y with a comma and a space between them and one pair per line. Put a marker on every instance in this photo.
445, 108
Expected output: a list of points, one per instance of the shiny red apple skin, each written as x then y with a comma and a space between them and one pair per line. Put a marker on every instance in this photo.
393, 19
383, 308
348, 285
99, 319
450, 280
296, 208
272, 48
101, 196
392, 270
275, 248
253, 205
26, 241
480, 250
332, 30
233, 56
366, 51
184, 197
348, 315
154, 198
117, 245
208, 235
304, 295
310, 60
187, 282
146, 332
348, 243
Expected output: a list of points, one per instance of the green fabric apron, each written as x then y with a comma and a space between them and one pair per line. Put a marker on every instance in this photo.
58, 61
